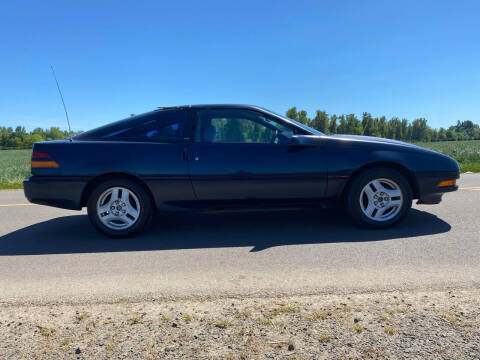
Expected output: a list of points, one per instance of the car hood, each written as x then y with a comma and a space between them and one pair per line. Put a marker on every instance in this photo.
375, 140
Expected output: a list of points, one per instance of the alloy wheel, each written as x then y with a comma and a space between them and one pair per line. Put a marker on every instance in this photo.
381, 199
118, 208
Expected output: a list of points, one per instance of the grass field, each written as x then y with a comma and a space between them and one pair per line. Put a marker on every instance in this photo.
14, 167
15, 164
467, 153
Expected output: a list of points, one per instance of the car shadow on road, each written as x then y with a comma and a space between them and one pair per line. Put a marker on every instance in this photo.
259, 229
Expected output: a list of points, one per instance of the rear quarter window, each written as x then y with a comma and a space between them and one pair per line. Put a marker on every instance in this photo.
159, 126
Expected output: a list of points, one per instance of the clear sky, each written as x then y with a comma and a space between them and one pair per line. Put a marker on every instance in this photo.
395, 58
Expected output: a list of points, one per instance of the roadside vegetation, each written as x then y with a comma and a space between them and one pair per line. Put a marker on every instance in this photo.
14, 167
20, 138
467, 153
394, 128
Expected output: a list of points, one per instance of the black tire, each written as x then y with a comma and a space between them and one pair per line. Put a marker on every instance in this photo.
144, 216
354, 192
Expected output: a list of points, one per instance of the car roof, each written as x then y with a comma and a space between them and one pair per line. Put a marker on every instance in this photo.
202, 106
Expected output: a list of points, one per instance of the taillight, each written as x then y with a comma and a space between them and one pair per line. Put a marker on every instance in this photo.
43, 160
40, 155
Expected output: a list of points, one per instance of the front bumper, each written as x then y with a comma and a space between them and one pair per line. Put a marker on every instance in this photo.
429, 192
62, 192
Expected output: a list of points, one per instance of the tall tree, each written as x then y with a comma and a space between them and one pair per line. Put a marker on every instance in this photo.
354, 126
342, 126
370, 127
300, 116
382, 126
292, 113
303, 118
320, 121
404, 127
332, 126
394, 128
419, 130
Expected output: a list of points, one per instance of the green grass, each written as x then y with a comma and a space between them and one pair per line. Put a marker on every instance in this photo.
15, 164
14, 168
10, 185
467, 153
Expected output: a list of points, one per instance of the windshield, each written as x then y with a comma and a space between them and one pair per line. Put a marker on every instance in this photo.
299, 124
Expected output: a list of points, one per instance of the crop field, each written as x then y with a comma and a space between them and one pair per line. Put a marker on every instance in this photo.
467, 153
15, 164
14, 167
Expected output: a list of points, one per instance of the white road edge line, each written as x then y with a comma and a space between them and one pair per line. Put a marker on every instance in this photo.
5, 205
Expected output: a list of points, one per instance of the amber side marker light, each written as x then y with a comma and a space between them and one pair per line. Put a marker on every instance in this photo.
45, 164
444, 183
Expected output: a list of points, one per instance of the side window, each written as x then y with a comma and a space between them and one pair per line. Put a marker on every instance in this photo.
238, 126
165, 125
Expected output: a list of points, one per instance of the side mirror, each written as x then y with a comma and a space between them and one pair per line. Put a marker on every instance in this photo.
284, 137
294, 140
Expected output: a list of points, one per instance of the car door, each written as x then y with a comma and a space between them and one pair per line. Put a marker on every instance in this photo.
240, 154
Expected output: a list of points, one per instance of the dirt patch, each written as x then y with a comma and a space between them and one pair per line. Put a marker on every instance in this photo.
393, 325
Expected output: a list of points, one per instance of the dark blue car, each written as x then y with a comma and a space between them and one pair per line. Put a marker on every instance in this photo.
231, 156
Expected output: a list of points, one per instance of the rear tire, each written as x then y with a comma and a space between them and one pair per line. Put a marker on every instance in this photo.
119, 207
378, 198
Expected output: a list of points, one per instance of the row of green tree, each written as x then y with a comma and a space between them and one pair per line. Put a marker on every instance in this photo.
20, 138
414, 131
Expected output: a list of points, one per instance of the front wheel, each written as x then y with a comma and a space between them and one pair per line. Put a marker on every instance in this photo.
378, 198
119, 208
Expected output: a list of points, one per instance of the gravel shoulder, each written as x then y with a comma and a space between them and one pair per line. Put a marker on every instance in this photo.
393, 325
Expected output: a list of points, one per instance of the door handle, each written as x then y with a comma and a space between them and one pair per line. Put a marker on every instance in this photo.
185, 155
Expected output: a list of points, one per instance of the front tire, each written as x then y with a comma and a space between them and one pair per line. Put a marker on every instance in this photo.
378, 198
119, 207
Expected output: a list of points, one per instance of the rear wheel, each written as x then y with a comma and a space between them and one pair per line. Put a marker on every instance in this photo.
119, 207
378, 198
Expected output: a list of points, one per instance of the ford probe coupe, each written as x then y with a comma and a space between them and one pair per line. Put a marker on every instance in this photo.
228, 157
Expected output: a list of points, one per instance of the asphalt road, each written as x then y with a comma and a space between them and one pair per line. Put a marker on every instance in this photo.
50, 255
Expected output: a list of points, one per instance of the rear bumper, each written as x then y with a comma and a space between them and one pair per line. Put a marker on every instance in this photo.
429, 192
62, 192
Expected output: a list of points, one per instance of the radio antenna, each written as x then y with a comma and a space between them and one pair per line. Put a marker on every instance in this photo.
63, 102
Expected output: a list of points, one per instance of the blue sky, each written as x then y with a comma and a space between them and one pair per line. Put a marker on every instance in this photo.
395, 58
